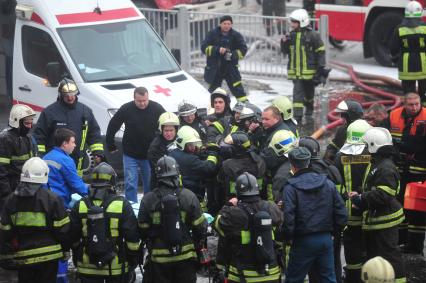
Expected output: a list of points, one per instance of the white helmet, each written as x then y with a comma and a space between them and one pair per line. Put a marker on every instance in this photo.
186, 108
35, 170
301, 16
18, 112
413, 10
377, 270
168, 119
376, 138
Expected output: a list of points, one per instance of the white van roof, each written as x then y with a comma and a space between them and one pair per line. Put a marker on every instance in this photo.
58, 13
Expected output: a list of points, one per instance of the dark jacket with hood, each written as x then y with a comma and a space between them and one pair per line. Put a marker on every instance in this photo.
312, 205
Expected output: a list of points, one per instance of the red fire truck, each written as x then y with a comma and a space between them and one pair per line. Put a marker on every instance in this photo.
370, 21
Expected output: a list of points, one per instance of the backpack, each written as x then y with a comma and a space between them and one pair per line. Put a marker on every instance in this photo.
99, 244
260, 225
172, 225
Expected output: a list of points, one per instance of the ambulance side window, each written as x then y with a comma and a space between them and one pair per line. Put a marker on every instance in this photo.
38, 49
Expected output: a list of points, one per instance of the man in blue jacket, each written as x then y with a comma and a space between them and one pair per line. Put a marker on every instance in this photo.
223, 47
313, 209
64, 179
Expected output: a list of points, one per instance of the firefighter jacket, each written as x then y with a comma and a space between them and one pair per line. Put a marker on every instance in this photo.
219, 128
311, 205
325, 167
233, 40
380, 186
78, 118
152, 230
232, 168
235, 251
122, 227
14, 151
157, 149
306, 54
409, 136
352, 168
63, 177
279, 179
336, 143
408, 48
194, 170
34, 226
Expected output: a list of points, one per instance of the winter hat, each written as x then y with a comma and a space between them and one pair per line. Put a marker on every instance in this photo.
226, 18
299, 157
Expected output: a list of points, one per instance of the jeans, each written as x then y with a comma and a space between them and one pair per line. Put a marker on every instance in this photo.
62, 275
311, 251
131, 176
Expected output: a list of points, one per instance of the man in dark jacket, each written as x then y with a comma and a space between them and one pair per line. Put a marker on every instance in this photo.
34, 227
174, 237
15, 148
408, 50
68, 113
223, 47
271, 123
313, 210
238, 253
188, 115
140, 118
382, 211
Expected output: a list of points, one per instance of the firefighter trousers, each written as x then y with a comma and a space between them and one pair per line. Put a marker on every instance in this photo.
410, 86
384, 243
416, 231
232, 76
40, 273
354, 253
303, 96
175, 272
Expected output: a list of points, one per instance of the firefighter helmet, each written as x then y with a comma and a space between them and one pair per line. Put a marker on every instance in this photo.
356, 131
312, 145
104, 175
378, 270
246, 185
301, 16
186, 108
67, 87
238, 107
185, 135
238, 139
35, 170
220, 92
167, 167
282, 142
413, 10
18, 112
376, 138
284, 105
168, 119
351, 110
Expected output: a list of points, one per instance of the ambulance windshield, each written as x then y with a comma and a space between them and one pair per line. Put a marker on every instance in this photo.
117, 51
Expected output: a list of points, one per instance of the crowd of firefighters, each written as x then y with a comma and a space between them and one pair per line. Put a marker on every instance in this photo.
278, 206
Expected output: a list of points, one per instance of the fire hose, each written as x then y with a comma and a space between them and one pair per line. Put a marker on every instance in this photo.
358, 78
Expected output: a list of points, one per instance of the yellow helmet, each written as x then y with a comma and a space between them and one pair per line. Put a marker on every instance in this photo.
284, 105
356, 131
168, 119
185, 135
378, 270
282, 142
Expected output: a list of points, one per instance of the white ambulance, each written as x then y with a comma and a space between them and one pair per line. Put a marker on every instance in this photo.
106, 46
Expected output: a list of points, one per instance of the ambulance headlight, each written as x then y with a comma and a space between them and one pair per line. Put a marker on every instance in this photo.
111, 113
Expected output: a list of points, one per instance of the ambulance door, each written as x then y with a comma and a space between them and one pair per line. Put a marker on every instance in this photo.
35, 47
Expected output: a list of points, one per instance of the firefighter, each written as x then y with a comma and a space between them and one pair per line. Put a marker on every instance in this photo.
68, 113
273, 8
349, 111
245, 226
378, 270
193, 168
383, 212
284, 105
16, 147
114, 255
278, 167
271, 123
172, 226
242, 158
168, 125
34, 227
352, 161
306, 61
407, 47
220, 122
188, 116
224, 47
407, 125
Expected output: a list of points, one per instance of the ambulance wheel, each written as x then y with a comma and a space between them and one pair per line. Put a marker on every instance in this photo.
379, 35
